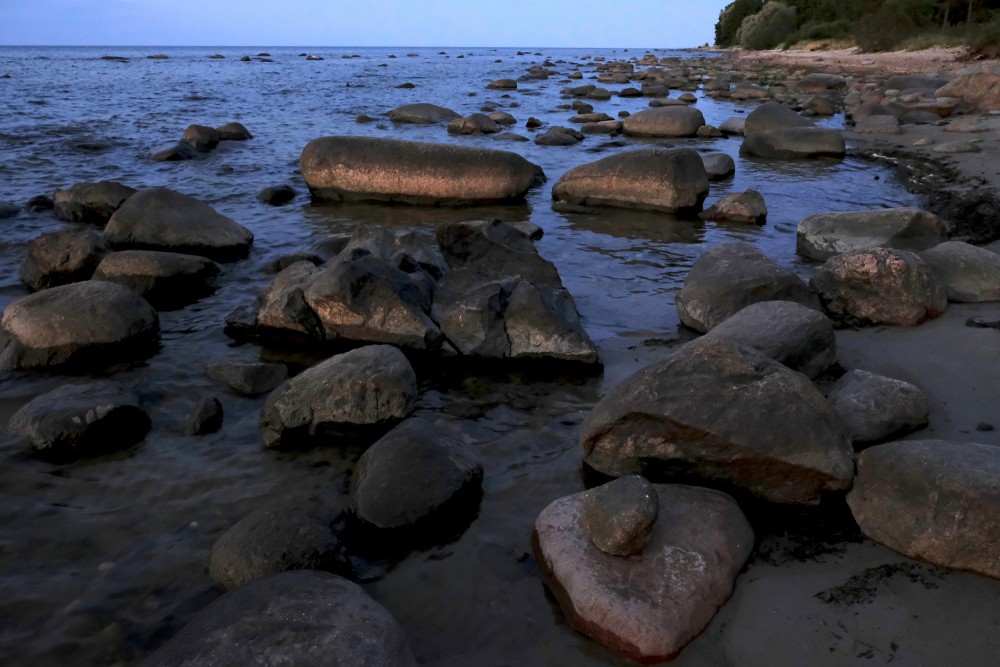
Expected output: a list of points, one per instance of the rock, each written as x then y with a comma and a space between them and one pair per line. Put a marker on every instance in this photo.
646, 607
205, 417
542, 323
580, 106
276, 195
201, 138
532, 123
668, 180
421, 114
477, 123
791, 334
968, 273
92, 203
957, 147
932, 500
590, 118
39, 203
370, 386
599, 94
364, 168
874, 408
773, 116
386, 493
509, 136
174, 153
233, 132
302, 618
80, 420
744, 207
720, 411
878, 124
273, 540
502, 84
911, 81
819, 82
736, 126
60, 258
820, 105
664, 122
880, 286
161, 219
654, 89
718, 166
612, 127
167, 280
709, 132
794, 144
580, 91
84, 324
979, 91
559, 136
283, 262
824, 235
502, 118
619, 516
8, 210
730, 277
248, 379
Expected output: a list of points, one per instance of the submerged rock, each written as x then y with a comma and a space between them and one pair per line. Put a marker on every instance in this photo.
92, 203
874, 408
276, 195
248, 379
233, 132
201, 138
61, 258
824, 235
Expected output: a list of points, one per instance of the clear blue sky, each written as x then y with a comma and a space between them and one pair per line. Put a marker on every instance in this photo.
578, 23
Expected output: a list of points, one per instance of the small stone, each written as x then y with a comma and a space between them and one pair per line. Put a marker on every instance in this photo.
619, 516
276, 195
206, 417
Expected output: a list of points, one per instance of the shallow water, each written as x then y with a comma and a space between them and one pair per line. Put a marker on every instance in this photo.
102, 560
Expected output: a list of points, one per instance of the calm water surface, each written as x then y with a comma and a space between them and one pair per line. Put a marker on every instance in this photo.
102, 560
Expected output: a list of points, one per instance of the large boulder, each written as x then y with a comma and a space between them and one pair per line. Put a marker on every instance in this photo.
421, 114
873, 407
366, 168
773, 116
646, 607
90, 202
932, 500
722, 412
386, 493
718, 166
273, 540
730, 277
201, 138
794, 144
790, 333
979, 91
819, 82
162, 219
879, 286
60, 258
477, 123
302, 618
90, 323
83, 419
670, 121
668, 180
369, 387
824, 235
969, 274
165, 279
233, 132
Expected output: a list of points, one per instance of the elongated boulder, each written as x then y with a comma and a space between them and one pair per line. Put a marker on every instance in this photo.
668, 180
722, 412
773, 116
646, 607
818, 82
932, 500
477, 123
824, 235
165, 279
880, 286
365, 168
84, 324
979, 91
421, 114
669, 121
730, 277
794, 144
82, 419
60, 258
873, 407
370, 386
969, 274
162, 219
302, 618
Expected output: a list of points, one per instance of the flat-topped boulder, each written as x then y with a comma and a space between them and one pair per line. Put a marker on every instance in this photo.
92, 203
794, 144
824, 235
773, 116
61, 258
725, 413
365, 168
932, 500
422, 114
669, 180
668, 121
646, 607
162, 219
165, 279
970, 274
88, 323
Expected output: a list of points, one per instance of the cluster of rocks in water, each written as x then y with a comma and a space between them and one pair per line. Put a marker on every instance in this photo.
641, 567
200, 139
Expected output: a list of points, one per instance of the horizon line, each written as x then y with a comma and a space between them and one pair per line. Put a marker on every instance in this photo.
349, 46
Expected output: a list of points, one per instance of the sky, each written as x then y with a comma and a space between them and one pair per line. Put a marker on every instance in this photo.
521, 23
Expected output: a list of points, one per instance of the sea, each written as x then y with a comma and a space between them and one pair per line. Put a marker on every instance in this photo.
103, 560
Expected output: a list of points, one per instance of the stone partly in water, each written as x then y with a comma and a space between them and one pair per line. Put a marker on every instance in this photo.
970, 274
794, 143
92, 203
718, 166
61, 258
668, 180
174, 153
719, 411
365, 168
162, 219
741, 207
932, 500
166, 279
874, 408
646, 607
773, 116
880, 286
369, 387
201, 138
422, 114
248, 379
276, 195
302, 618
730, 277
205, 417
85, 324
79, 420
824, 235
669, 121
233, 132
619, 516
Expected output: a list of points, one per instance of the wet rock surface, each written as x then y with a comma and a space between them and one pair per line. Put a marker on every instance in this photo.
61, 258
873, 407
824, 235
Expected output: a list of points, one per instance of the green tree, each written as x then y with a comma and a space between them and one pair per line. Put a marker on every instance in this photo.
768, 28
731, 18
